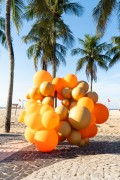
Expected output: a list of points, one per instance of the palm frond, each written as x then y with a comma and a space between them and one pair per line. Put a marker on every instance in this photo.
115, 59
81, 62
17, 8
73, 8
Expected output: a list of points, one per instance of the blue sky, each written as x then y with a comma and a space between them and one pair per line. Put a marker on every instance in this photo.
108, 83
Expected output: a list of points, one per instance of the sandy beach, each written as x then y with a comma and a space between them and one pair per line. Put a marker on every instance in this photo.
110, 127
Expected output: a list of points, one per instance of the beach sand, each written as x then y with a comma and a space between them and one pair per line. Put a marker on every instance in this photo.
110, 128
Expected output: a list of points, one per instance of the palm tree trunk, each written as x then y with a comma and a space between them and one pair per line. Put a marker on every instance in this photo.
91, 81
11, 57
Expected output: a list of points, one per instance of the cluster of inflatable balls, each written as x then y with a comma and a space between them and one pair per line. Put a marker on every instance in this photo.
74, 120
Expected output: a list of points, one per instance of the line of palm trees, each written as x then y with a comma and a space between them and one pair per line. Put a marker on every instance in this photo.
50, 37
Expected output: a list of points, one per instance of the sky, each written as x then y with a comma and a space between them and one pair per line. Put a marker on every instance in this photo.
108, 83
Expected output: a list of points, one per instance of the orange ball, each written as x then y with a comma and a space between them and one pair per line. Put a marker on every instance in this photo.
41, 76
66, 93
86, 102
79, 117
101, 113
63, 128
46, 88
74, 137
27, 96
35, 94
84, 85
62, 111
72, 104
59, 96
30, 101
59, 83
92, 95
46, 140
32, 108
49, 101
50, 119
45, 108
34, 121
71, 80
29, 135
93, 131
78, 93
85, 132
93, 119
65, 102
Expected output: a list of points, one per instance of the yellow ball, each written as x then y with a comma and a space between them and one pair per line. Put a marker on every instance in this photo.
72, 104
83, 142
71, 80
86, 102
92, 95
35, 94
78, 93
32, 108
29, 135
49, 101
74, 137
47, 88
27, 96
41, 76
30, 101
22, 116
84, 85
62, 112
65, 102
45, 108
34, 121
79, 117
50, 119
66, 93
63, 128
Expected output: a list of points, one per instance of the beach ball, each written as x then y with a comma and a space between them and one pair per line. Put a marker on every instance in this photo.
72, 104
66, 93
34, 107
65, 102
41, 76
63, 128
78, 93
35, 94
62, 111
74, 137
79, 117
47, 88
22, 116
50, 119
86, 102
84, 85
29, 135
45, 108
48, 100
46, 140
71, 80
92, 95
34, 121
101, 113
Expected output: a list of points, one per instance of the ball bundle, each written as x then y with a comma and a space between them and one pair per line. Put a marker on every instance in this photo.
75, 119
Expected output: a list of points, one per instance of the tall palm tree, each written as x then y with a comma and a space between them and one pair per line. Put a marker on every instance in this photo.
115, 51
16, 8
93, 55
42, 47
53, 11
103, 12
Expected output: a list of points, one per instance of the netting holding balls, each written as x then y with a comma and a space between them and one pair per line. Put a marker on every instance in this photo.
75, 120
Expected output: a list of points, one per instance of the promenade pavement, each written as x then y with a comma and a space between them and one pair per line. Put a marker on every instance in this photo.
100, 160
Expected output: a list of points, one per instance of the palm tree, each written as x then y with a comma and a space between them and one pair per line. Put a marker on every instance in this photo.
93, 56
103, 12
53, 10
42, 47
2, 32
115, 51
16, 7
